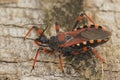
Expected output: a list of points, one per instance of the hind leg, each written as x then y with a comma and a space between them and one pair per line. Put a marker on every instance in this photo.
97, 55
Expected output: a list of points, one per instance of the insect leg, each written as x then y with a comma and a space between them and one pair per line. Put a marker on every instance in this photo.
37, 42
77, 21
94, 52
97, 55
35, 59
43, 49
56, 27
41, 42
60, 62
37, 30
89, 18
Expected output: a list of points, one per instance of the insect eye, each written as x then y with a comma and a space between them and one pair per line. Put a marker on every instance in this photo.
85, 26
92, 26
100, 27
67, 37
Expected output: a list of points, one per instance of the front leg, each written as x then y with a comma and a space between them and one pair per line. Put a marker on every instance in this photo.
42, 49
39, 31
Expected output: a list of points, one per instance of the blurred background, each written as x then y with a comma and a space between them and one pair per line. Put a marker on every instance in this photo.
16, 55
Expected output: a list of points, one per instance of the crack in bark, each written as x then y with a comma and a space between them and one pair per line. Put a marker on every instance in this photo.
90, 9
112, 71
8, 61
30, 60
22, 38
16, 7
49, 62
16, 37
13, 25
21, 26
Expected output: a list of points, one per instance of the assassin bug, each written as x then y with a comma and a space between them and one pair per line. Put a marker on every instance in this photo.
76, 41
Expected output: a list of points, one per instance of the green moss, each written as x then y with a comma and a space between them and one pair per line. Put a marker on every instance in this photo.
65, 13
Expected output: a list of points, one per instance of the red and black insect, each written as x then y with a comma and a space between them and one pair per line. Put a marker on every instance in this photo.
76, 41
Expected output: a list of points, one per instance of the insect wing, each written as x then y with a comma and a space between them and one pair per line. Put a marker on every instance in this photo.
86, 35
